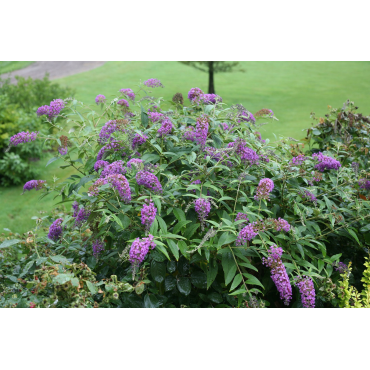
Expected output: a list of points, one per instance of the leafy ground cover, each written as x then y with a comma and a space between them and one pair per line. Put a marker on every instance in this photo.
6, 67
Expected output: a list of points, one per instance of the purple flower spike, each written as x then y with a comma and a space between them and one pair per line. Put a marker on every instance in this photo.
325, 162
114, 169
202, 131
166, 128
100, 99
123, 103
98, 247
140, 248
33, 184
149, 180
118, 182
55, 230
129, 93
264, 189
148, 213
23, 137
307, 290
153, 82
278, 273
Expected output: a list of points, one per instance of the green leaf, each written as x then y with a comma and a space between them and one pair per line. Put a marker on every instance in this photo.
189, 231
154, 228
353, 234
215, 297
179, 214
163, 250
252, 280
180, 225
158, 204
184, 285
199, 279
151, 301
171, 266
183, 248
211, 272
144, 118
93, 289
229, 266
75, 282
237, 280
8, 243
52, 160
174, 248
162, 224
150, 157
62, 278
226, 238
158, 271
169, 283
60, 259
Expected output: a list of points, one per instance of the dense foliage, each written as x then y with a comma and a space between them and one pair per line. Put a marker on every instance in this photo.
187, 207
18, 104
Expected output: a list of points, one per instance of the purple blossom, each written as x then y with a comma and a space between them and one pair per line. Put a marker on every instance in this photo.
75, 208
123, 103
210, 98
113, 145
264, 189
281, 224
278, 273
341, 267
63, 150
189, 133
247, 233
246, 116
201, 131
33, 184
114, 168
259, 137
308, 195
23, 137
364, 184
325, 162
153, 108
149, 180
82, 217
140, 248
202, 208
247, 155
153, 82
118, 182
55, 107
148, 213
43, 110
100, 164
298, 160
136, 162
241, 216
100, 99
98, 247
165, 128
156, 116
307, 290
129, 93
139, 139
194, 93
55, 230
108, 129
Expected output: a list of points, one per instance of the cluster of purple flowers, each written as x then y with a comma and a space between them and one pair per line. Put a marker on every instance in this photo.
139, 139
364, 184
97, 247
123, 103
308, 195
154, 108
136, 162
118, 182
23, 137
202, 208
201, 131
298, 160
189, 133
55, 230
81, 217
113, 145
129, 93
210, 98
75, 208
53, 110
307, 290
280, 224
100, 99
165, 128
259, 137
194, 93
156, 116
241, 216
140, 248
148, 213
117, 167
246, 116
153, 82
149, 180
264, 189
341, 267
278, 273
33, 184
247, 155
325, 162
63, 150
108, 129
100, 164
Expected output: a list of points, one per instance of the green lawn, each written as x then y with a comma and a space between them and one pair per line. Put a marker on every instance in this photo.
6, 67
291, 89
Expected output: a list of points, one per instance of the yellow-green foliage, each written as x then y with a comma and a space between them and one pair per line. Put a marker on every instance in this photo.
348, 295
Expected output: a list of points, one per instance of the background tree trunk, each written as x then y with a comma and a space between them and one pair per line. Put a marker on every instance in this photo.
211, 84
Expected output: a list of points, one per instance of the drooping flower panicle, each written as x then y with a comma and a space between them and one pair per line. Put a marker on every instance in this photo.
153, 82
118, 182
140, 248
23, 137
307, 290
148, 213
100, 99
325, 162
55, 230
33, 184
264, 189
149, 180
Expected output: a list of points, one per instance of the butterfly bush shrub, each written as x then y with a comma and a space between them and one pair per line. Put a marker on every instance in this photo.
185, 205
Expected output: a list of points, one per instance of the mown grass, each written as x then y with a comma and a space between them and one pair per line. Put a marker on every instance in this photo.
291, 89
6, 67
